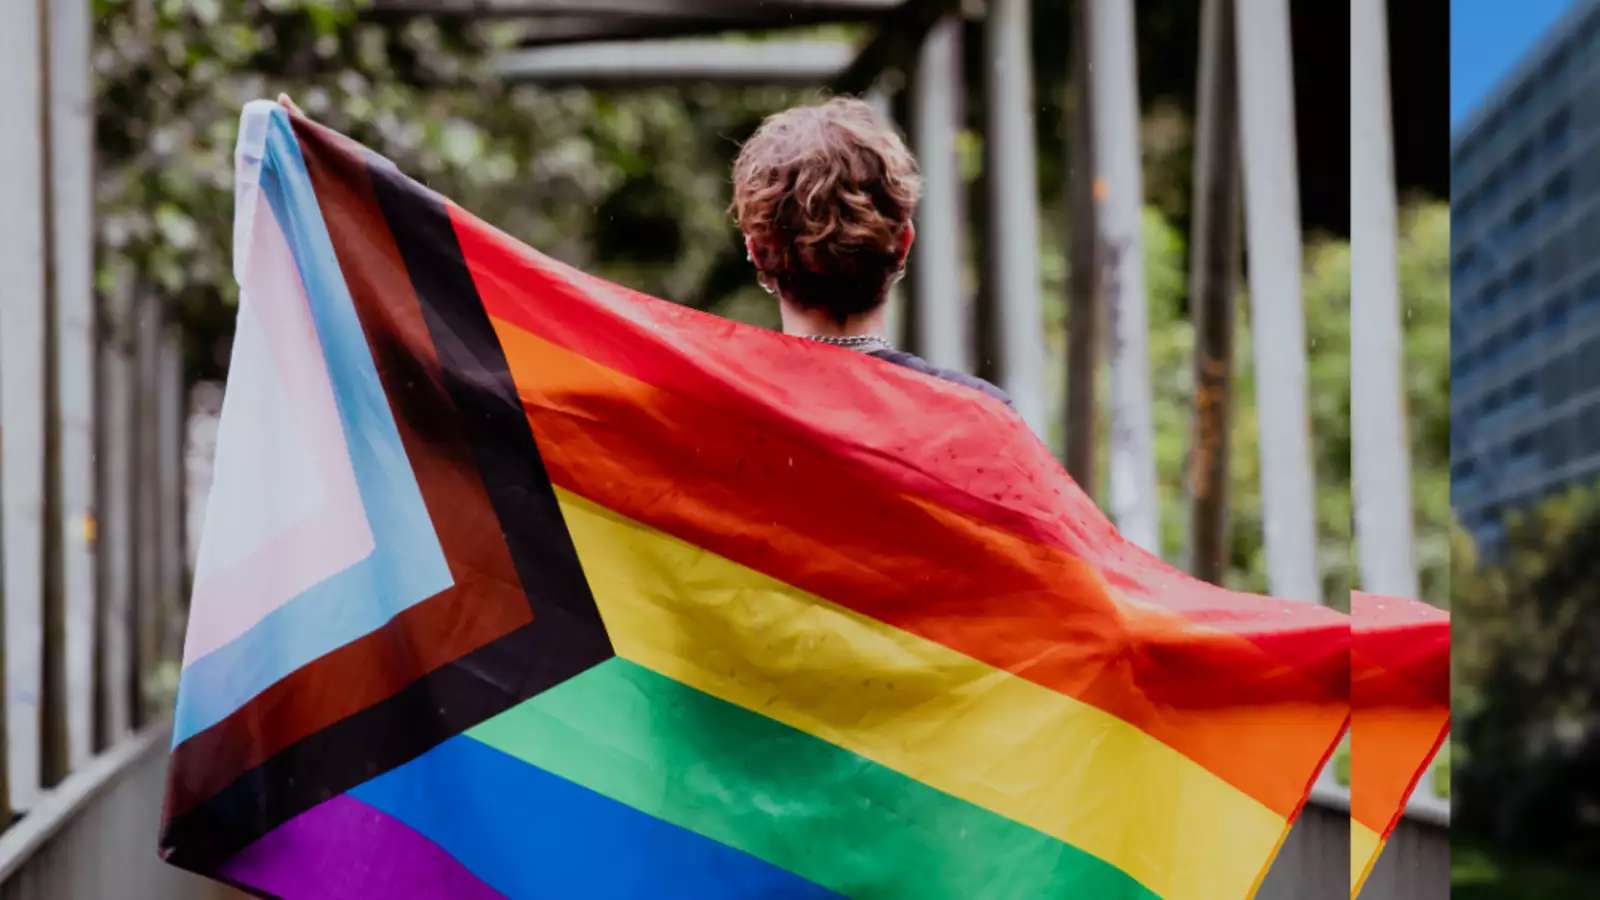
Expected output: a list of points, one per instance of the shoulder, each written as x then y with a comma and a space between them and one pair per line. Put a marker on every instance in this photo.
913, 361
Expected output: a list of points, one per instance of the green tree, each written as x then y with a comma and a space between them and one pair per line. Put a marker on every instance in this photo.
629, 184
1526, 676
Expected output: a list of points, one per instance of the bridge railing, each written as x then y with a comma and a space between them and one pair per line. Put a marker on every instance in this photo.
91, 561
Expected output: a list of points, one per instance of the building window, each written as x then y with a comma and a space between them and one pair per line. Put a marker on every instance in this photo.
1489, 352
1490, 192
1521, 279
1520, 159
1490, 296
1585, 369
1464, 262
1556, 67
1556, 314
1557, 445
1586, 425
1558, 131
1589, 294
1557, 191
1521, 217
1557, 378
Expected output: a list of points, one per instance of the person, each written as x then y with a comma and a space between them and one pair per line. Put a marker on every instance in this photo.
824, 195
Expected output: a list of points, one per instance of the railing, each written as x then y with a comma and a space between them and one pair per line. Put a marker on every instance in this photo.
90, 500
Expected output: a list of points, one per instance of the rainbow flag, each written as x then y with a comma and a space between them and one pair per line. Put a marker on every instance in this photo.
1400, 714
518, 583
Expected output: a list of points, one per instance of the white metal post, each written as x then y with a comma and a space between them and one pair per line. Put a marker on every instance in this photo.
882, 103
1380, 450
943, 318
23, 417
117, 526
1272, 228
1119, 197
169, 479
1014, 209
72, 254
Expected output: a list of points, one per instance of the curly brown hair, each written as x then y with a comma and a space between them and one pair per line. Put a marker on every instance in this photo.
824, 194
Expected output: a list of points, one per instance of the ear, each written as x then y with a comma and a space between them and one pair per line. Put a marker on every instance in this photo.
750, 251
907, 236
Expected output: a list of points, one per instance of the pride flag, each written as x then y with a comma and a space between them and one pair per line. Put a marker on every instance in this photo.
517, 583
1400, 713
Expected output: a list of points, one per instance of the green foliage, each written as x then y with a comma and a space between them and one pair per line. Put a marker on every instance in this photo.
631, 185
1424, 257
1527, 727
1482, 872
1424, 265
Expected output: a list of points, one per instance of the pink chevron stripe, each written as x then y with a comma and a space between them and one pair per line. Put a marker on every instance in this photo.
251, 565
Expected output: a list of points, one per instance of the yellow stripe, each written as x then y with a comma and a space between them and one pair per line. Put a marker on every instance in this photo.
1365, 845
982, 734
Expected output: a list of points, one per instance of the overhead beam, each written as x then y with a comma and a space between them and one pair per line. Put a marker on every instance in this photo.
771, 11
544, 30
650, 62
897, 44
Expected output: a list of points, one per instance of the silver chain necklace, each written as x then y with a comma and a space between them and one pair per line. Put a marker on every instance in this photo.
863, 342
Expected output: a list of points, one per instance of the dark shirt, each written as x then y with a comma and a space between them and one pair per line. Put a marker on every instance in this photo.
913, 361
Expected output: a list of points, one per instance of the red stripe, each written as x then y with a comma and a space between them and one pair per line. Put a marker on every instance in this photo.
866, 484
1400, 698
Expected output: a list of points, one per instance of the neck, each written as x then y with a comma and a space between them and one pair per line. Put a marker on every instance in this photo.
803, 321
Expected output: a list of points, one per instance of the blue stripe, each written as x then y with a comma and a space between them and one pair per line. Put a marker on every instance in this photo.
407, 565
527, 833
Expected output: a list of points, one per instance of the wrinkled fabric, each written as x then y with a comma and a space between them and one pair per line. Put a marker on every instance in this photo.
598, 595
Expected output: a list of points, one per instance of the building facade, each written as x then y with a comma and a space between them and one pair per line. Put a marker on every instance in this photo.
1525, 282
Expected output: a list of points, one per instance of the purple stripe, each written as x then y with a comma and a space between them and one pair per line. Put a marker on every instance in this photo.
344, 848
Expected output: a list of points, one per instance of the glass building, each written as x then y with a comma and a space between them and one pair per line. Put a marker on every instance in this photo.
1525, 282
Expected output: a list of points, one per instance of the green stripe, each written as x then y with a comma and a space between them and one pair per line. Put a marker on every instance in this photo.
785, 796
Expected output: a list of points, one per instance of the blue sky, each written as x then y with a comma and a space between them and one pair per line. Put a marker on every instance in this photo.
1487, 37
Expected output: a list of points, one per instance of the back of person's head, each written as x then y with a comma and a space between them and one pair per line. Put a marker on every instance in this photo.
824, 195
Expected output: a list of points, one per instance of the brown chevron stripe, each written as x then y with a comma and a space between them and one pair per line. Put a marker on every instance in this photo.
463, 655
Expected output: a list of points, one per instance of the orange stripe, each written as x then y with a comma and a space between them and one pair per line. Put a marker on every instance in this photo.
799, 513
931, 437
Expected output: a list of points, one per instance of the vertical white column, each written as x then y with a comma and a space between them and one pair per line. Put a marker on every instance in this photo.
1272, 229
169, 479
943, 318
1380, 450
116, 518
147, 499
1119, 199
23, 417
882, 104
72, 253
1014, 209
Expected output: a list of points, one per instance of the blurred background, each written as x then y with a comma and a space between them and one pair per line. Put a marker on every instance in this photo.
1137, 221
1524, 447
